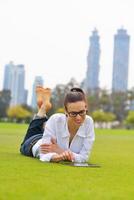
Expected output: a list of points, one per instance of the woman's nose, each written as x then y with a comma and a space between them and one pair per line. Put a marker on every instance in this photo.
78, 116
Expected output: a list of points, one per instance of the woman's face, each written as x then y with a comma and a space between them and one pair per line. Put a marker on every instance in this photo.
76, 112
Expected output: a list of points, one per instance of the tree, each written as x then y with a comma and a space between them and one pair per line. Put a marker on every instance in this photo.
59, 92
109, 117
131, 99
5, 98
99, 99
18, 113
93, 101
119, 105
105, 100
100, 117
129, 121
60, 110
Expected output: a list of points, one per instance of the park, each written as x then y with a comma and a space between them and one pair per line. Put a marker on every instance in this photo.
81, 53
27, 178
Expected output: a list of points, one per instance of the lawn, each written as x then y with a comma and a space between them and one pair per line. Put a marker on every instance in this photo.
27, 178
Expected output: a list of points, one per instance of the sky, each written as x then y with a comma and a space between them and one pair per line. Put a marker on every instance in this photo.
51, 37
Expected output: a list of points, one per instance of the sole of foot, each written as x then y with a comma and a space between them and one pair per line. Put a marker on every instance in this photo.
43, 97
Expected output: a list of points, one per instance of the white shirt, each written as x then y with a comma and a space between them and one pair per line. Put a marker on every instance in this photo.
57, 128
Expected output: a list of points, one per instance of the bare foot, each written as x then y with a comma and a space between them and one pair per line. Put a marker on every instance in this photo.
43, 97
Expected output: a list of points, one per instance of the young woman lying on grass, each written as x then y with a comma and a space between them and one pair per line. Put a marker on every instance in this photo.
68, 136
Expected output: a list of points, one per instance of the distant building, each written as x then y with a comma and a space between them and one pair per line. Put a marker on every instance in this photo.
120, 61
38, 81
91, 81
8, 76
14, 80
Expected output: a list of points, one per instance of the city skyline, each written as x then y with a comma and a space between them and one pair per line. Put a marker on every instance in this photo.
14, 75
53, 36
14, 80
91, 80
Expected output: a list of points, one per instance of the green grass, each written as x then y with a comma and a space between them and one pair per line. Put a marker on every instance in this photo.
29, 179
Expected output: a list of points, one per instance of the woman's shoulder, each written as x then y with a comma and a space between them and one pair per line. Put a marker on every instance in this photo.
89, 118
58, 117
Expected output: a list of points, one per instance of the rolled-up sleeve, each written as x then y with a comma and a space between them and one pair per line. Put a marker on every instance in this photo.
84, 154
46, 139
46, 157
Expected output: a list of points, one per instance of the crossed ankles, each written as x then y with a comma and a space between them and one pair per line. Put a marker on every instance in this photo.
43, 98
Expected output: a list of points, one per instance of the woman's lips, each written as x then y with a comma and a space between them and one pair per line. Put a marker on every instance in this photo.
78, 122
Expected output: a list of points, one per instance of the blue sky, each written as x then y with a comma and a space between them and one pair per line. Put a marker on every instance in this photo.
51, 37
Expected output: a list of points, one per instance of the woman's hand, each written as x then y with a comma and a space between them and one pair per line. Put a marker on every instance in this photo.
66, 155
52, 147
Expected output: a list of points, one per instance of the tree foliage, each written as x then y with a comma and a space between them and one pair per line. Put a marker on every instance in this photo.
119, 105
101, 116
130, 118
18, 113
59, 92
5, 98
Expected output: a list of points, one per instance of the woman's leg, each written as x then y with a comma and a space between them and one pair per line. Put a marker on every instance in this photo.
33, 134
36, 126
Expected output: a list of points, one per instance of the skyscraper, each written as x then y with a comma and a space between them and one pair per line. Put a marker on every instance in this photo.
91, 82
7, 76
14, 79
120, 61
38, 81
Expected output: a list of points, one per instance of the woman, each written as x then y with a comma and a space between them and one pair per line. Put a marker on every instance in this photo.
68, 136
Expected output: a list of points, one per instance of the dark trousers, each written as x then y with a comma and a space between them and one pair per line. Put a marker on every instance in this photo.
33, 134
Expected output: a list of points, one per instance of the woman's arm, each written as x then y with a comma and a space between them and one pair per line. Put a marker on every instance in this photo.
54, 157
50, 147
66, 155
83, 155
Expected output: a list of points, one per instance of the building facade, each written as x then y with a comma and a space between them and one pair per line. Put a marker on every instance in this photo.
14, 80
91, 82
120, 61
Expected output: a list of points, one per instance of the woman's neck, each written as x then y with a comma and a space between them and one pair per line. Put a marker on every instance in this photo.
72, 128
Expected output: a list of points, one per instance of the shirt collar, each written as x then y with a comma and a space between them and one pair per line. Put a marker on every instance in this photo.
65, 132
81, 132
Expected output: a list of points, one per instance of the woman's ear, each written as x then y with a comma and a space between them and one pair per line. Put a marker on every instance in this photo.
66, 114
86, 107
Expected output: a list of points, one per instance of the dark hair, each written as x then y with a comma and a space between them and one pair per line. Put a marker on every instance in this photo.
74, 95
